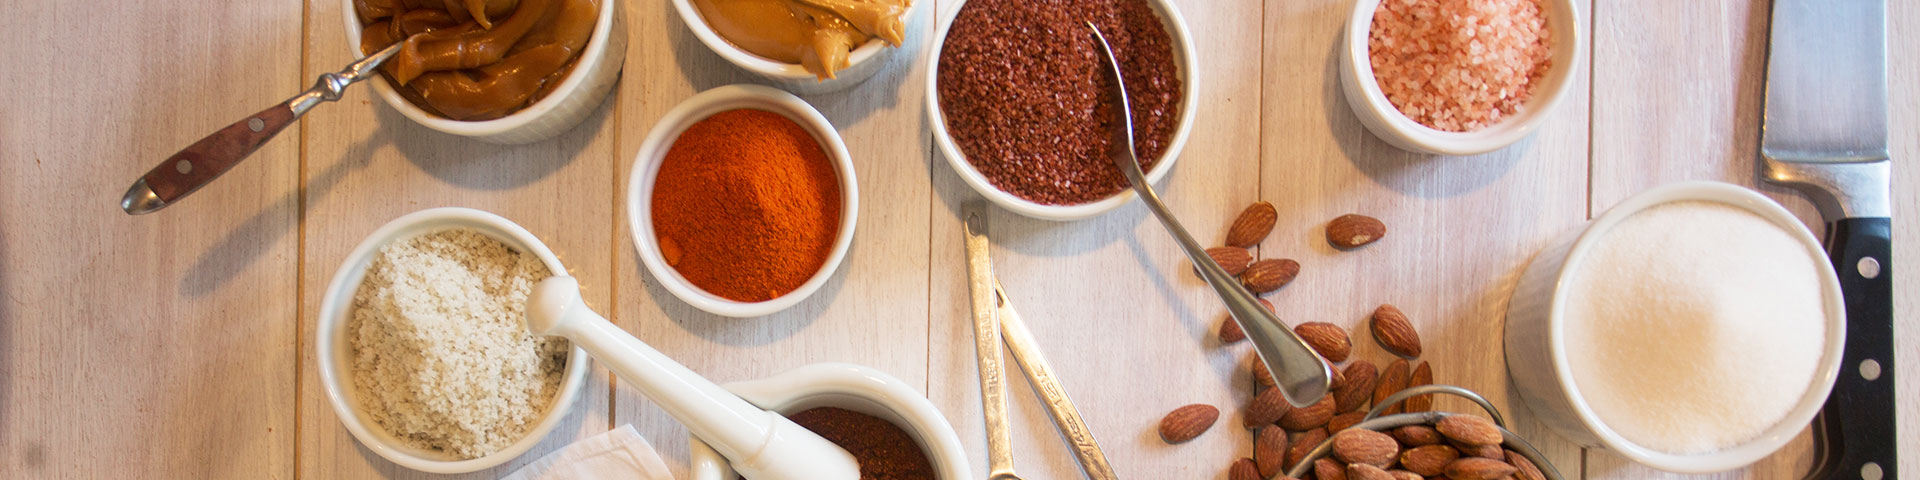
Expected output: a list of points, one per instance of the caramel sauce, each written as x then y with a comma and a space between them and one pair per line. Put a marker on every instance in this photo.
477, 59
816, 34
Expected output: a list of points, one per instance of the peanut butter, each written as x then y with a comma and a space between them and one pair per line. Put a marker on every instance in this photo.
816, 34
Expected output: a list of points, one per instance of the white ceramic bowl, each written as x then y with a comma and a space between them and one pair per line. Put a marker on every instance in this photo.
646, 165
594, 74
1385, 121
1535, 335
335, 353
865, 59
851, 387
1183, 59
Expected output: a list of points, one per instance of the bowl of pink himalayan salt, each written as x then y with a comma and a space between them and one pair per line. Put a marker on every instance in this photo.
1696, 327
1459, 77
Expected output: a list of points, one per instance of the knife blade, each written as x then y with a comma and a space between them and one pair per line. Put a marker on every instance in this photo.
1825, 134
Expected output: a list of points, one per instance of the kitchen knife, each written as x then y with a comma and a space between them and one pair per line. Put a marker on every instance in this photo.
1825, 133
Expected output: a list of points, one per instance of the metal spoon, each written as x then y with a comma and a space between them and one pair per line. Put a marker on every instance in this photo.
1300, 373
198, 164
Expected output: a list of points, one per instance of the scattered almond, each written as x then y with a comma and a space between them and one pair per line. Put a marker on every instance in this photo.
1345, 421
1524, 469
1243, 469
1422, 376
1298, 448
1481, 451
1269, 449
1393, 379
1394, 332
1185, 423
1327, 469
1232, 259
1361, 471
1428, 460
1469, 429
1405, 475
1269, 274
1266, 408
1328, 339
1308, 417
1252, 225
1335, 377
1416, 435
1362, 446
1357, 387
1475, 468
1353, 230
1261, 376
1230, 332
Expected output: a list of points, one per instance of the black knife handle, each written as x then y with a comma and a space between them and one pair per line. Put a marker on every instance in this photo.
1858, 421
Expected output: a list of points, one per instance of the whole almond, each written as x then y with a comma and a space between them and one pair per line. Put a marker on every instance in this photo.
1362, 446
1184, 423
1361, 471
1428, 460
1481, 451
1394, 332
1266, 408
1416, 435
1328, 339
1269, 449
1230, 332
1356, 387
1244, 469
1476, 468
1269, 274
1336, 378
1405, 475
1300, 446
1308, 417
1469, 429
1327, 469
1392, 380
1261, 376
1524, 469
1353, 230
1345, 421
1252, 225
1232, 259
1422, 375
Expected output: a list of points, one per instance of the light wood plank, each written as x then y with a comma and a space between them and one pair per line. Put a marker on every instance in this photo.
1128, 329
873, 312
1903, 85
367, 164
154, 345
1460, 230
1685, 85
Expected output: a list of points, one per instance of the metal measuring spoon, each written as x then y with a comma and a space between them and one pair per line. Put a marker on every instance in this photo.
1300, 373
198, 164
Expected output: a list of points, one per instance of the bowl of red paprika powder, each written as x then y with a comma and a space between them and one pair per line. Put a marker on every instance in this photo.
742, 200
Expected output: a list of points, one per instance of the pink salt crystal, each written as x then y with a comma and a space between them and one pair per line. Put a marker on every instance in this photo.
1458, 65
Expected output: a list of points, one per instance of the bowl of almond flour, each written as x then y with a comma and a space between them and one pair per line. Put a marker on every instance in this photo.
422, 349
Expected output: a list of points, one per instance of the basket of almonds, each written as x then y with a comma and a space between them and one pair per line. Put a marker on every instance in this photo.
1419, 445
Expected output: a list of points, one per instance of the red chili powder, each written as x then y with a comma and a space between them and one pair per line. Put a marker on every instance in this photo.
746, 205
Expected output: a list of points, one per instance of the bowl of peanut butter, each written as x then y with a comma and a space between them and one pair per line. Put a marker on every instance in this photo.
805, 46
501, 71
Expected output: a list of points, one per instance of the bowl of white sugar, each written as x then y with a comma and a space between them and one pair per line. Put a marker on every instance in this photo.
1694, 328
422, 348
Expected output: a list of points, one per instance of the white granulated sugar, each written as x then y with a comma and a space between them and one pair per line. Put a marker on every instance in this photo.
440, 359
1694, 326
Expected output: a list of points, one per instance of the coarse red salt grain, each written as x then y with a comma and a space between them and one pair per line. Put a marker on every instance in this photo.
1459, 65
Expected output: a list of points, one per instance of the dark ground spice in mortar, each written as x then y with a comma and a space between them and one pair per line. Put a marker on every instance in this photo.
1024, 96
885, 452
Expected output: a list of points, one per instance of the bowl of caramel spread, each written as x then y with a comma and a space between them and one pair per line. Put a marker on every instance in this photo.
807, 46
503, 71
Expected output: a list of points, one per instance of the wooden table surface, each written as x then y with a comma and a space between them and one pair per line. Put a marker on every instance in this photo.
180, 345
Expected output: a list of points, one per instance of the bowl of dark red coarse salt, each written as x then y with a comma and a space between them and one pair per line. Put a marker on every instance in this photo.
1020, 103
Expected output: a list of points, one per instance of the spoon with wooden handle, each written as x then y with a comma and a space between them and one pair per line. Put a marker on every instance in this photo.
199, 163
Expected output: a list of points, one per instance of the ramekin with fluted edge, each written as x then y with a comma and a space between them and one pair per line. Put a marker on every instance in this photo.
594, 74
864, 61
1183, 60
852, 387
1385, 121
1535, 335
335, 353
646, 166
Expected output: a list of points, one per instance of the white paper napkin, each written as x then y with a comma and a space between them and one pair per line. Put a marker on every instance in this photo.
618, 454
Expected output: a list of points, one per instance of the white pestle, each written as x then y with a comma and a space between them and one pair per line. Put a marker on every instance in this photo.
760, 444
